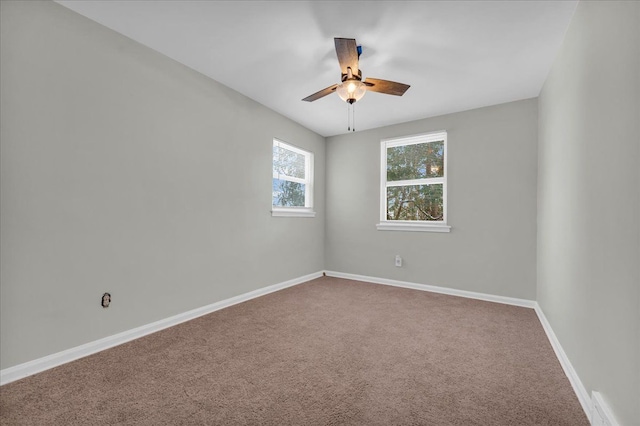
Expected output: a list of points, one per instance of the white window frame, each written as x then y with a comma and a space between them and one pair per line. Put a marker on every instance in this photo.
307, 210
412, 225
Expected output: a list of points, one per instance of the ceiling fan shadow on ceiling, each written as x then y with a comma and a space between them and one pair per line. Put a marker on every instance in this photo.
352, 88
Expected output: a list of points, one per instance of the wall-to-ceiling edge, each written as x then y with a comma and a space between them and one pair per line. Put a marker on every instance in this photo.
588, 232
123, 171
491, 179
87, 189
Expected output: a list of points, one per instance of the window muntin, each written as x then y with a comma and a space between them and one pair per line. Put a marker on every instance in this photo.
292, 180
413, 181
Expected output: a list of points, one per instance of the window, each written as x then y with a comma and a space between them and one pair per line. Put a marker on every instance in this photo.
292, 185
413, 189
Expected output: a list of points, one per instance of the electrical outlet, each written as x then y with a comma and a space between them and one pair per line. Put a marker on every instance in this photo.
398, 261
106, 300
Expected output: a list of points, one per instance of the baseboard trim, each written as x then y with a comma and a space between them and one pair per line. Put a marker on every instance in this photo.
576, 383
435, 289
29, 368
574, 379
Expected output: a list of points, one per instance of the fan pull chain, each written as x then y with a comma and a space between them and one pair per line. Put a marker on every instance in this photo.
353, 120
351, 117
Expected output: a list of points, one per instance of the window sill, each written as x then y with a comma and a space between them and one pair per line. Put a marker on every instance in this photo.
415, 227
293, 213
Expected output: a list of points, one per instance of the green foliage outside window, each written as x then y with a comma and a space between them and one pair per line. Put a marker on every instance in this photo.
288, 194
412, 201
289, 173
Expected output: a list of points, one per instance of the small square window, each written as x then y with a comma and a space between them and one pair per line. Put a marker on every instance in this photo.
292, 181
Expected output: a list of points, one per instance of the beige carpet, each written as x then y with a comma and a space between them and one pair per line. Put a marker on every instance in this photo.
328, 352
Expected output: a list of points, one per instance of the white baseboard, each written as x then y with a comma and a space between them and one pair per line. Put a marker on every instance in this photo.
20, 371
576, 383
571, 374
435, 289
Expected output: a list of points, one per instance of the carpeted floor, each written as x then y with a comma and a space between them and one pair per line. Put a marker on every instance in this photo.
327, 352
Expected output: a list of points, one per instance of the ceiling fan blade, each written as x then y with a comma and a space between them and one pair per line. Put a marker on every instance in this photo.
321, 94
386, 86
347, 51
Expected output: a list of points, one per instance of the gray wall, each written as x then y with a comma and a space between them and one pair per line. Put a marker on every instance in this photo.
588, 201
124, 171
492, 205
116, 167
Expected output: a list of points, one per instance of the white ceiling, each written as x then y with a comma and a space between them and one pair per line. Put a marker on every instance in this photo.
456, 55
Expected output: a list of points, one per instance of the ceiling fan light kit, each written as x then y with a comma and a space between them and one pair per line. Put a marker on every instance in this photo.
352, 88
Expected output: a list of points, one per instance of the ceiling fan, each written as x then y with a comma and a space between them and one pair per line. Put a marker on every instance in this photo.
352, 88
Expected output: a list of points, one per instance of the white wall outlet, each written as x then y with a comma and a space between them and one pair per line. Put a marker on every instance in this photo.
398, 261
601, 414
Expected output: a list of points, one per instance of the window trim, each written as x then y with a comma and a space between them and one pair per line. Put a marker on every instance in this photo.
307, 210
412, 225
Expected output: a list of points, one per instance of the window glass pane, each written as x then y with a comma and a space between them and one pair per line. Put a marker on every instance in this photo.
415, 202
418, 161
288, 163
285, 193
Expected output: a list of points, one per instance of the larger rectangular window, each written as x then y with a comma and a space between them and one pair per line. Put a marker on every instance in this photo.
292, 184
413, 183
